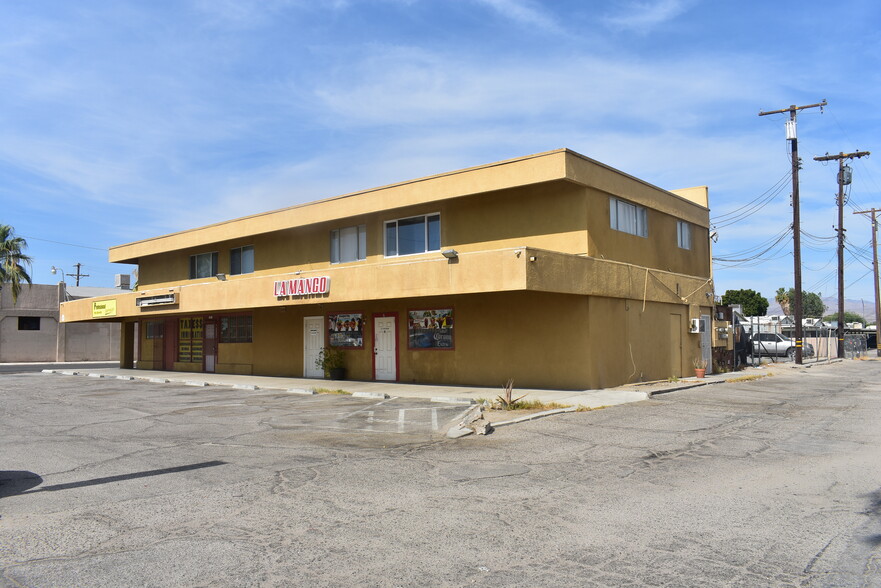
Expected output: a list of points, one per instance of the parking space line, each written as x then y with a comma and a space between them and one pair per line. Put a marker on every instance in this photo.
401, 420
434, 419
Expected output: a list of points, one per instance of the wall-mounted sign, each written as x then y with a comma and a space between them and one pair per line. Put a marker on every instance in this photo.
302, 286
104, 308
430, 329
156, 300
346, 330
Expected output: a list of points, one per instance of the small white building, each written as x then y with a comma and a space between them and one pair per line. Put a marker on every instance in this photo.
30, 329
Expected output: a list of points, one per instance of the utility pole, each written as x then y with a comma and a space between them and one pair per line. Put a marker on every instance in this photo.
792, 137
875, 266
78, 275
844, 179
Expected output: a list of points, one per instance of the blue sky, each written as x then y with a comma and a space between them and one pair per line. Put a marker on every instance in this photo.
128, 119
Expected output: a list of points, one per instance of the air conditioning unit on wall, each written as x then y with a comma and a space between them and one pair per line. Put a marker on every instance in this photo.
696, 326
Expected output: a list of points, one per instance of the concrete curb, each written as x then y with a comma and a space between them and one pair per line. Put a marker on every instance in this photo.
452, 400
537, 415
378, 395
301, 391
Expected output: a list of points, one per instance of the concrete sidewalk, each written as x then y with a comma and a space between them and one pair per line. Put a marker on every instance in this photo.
437, 393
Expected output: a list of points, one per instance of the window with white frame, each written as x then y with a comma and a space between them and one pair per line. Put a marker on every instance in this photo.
241, 260
348, 244
628, 218
417, 234
203, 265
683, 235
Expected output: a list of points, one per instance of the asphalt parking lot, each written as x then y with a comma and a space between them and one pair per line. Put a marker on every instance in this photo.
770, 481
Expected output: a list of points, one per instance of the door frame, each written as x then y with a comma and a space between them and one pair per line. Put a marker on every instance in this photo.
393, 315
207, 321
322, 329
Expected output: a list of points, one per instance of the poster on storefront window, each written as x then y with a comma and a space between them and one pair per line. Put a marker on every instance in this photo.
346, 330
430, 329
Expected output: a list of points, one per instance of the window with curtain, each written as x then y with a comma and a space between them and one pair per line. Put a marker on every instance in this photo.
628, 218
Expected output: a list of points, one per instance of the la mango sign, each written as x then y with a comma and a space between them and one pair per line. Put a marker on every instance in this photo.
302, 286
103, 308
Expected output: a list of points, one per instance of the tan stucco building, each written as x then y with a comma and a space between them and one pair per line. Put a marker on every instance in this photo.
552, 269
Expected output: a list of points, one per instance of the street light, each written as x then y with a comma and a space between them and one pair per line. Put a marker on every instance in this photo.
55, 270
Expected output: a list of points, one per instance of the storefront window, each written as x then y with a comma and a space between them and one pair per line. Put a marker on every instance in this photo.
236, 329
190, 333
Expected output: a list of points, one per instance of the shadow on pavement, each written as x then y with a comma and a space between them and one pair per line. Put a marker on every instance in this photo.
12, 483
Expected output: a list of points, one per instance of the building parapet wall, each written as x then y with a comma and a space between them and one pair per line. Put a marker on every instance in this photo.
510, 269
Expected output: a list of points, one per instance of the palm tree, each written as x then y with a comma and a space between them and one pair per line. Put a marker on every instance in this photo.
784, 299
13, 261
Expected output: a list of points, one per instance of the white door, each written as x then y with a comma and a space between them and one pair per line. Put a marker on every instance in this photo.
707, 341
313, 341
385, 352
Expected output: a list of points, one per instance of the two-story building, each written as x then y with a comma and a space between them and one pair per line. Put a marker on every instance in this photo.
552, 269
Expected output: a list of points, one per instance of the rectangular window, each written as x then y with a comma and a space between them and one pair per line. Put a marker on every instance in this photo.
28, 323
628, 218
348, 244
683, 234
189, 346
416, 234
241, 260
235, 329
153, 329
203, 265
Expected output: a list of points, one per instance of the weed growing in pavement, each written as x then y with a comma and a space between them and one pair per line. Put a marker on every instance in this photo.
748, 378
329, 391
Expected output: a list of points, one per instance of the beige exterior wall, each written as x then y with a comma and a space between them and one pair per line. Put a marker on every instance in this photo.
53, 341
544, 290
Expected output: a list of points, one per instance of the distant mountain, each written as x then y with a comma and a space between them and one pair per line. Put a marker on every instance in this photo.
864, 308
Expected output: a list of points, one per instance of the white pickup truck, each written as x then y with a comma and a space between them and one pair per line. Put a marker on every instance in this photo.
776, 344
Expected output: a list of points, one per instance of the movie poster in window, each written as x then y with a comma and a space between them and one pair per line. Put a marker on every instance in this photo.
430, 329
346, 330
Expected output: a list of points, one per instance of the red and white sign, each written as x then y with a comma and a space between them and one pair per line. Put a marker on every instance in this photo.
302, 286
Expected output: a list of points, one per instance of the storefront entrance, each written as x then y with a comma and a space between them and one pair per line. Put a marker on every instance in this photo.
385, 347
313, 341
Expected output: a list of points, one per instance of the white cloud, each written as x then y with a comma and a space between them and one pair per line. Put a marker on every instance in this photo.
525, 12
644, 16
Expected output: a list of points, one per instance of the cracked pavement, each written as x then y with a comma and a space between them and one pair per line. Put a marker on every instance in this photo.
771, 482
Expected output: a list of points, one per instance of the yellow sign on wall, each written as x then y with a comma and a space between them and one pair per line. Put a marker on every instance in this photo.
104, 308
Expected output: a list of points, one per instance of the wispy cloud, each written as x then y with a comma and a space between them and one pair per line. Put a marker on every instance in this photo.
644, 16
525, 12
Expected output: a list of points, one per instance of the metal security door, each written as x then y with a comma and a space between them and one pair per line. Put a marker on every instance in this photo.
707, 342
313, 341
385, 348
210, 346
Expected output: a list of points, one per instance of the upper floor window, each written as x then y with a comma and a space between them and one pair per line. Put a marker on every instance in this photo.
348, 244
628, 218
416, 234
241, 260
683, 235
203, 265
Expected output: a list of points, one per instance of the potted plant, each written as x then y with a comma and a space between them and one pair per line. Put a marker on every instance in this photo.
700, 367
332, 361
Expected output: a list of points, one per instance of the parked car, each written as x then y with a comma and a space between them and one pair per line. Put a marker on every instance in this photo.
777, 344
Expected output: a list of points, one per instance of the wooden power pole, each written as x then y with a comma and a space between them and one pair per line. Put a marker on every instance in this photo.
875, 266
844, 178
792, 137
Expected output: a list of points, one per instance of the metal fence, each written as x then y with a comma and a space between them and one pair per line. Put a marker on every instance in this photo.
824, 342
